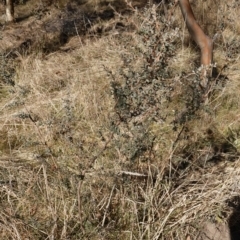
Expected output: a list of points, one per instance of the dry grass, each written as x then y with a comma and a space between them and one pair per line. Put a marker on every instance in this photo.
72, 169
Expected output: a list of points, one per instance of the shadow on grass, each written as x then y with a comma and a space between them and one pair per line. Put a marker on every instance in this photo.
234, 220
22, 18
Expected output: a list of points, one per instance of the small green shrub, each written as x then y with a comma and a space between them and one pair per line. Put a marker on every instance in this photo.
147, 94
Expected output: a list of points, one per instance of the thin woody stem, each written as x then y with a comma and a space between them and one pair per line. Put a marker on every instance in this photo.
203, 41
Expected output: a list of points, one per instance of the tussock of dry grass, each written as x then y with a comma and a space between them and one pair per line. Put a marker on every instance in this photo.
65, 166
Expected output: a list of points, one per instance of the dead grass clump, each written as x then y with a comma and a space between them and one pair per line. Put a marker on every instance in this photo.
112, 140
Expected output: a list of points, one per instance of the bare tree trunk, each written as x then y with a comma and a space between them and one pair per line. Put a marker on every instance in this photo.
203, 41
9, 11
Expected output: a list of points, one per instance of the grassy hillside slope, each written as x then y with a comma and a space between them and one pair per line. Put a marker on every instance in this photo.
108, 134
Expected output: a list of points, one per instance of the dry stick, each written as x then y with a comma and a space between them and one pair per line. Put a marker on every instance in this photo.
49, 202
80, 205
108, 204
9, 11
79, 201
204, 42
135, 174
